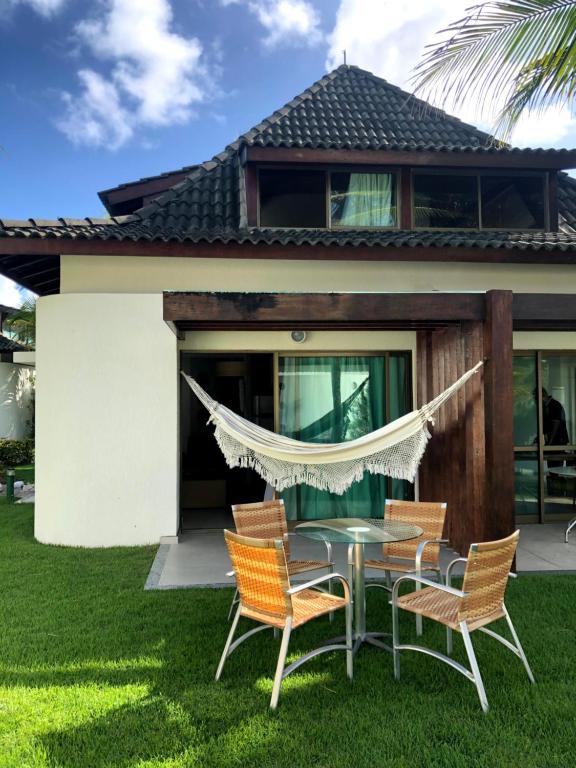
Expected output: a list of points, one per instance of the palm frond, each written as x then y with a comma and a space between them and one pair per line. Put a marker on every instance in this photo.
487, 55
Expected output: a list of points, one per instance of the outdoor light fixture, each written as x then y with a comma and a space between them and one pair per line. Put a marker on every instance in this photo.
298, 336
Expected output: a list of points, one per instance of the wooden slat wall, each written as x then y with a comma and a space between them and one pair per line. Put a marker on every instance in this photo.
453, 469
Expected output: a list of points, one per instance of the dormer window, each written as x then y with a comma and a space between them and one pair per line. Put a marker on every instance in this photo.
489, 200
301, 198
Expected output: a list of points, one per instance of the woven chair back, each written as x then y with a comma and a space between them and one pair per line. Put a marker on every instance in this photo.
262, 520
261, 574
428, 515
486, 577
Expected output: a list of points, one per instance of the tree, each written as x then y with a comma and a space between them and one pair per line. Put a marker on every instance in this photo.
519, 54
22, 323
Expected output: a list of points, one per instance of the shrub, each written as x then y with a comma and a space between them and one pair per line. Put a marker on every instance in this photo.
15, 452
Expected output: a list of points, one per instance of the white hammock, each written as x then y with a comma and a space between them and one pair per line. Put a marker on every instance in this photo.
394, 450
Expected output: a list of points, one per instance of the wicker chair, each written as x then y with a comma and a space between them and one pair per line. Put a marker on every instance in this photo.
421, 554
267, 520
479, 603
267, 597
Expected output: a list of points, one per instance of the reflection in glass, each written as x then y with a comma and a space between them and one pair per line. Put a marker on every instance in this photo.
560, 487
512, 202
526, 480
525, 406
444, 201
559, 403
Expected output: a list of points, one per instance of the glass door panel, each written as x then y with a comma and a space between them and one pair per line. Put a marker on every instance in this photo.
525, 402
545, 435
332, 399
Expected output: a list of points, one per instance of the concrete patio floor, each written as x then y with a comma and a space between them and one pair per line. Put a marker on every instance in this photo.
200, 559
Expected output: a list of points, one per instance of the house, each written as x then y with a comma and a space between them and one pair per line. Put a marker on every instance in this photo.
342, 261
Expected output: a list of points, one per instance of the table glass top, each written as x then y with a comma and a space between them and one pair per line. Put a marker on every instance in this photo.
358, 530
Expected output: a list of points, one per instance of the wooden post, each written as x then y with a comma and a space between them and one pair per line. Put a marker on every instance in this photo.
498, 411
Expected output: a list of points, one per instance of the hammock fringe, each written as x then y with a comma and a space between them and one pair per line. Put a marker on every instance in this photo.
395, 450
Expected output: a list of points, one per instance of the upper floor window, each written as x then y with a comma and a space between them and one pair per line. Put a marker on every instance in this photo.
479, 201
303, 198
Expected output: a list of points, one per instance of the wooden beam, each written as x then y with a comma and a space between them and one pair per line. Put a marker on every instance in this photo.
544, 311
526, 160
36, 247
319, 310
498, 411
405, 198
251, 181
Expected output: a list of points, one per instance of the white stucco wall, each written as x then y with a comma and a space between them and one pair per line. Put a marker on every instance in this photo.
16, 389
106, 434
147, 273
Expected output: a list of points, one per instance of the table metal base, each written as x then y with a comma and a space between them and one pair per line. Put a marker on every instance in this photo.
370, 638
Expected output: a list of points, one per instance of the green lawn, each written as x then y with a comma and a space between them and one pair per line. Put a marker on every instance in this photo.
25, 473
96, 672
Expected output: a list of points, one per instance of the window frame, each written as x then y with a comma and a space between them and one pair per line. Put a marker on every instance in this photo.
543, 175
328, 171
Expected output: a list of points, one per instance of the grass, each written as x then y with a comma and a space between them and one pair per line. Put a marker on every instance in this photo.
97, 673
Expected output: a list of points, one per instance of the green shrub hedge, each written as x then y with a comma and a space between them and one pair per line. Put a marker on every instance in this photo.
15, 452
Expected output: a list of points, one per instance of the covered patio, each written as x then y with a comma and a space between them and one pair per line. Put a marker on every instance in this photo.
200, 559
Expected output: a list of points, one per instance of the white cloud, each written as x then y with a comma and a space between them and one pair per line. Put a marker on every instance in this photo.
388, 38
155, 75
44, 7
287, 22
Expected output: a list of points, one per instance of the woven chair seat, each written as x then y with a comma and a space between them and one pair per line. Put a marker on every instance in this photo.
306, 605
407, 567
300, 566
442, 607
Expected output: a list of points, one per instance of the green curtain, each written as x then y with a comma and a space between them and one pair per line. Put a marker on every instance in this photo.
333, 399
368, 201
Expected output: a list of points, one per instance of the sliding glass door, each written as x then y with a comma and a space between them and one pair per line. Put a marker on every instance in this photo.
545, 435
335, 398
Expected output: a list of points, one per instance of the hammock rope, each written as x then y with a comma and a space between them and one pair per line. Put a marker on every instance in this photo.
394, 450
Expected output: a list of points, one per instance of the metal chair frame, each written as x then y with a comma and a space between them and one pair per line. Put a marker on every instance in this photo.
418, 568
281, 670
328, 545
473, 674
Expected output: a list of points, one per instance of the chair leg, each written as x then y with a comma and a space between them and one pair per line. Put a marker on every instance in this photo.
330, 591
395, 641
449, 645
518, 646
349, 642
477, 677
228, 644
281, 663
388, 579
233, 603
418, 616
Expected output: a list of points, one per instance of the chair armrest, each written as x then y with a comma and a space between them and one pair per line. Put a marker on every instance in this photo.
321, 580
451, 564
426, 583
422, 546
327, 544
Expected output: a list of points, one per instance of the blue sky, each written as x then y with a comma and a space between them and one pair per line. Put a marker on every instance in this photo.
102, 92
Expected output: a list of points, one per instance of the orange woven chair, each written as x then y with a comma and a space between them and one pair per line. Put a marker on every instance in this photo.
267, 520
267, 597
479, 603
421, 554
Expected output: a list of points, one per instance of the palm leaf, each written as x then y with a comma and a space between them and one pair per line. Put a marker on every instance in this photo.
522, 51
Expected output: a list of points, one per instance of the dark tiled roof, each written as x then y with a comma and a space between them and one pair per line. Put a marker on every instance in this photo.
347, 109
138, 231
7, 345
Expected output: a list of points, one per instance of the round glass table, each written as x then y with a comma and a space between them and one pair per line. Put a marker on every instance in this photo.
356, 532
